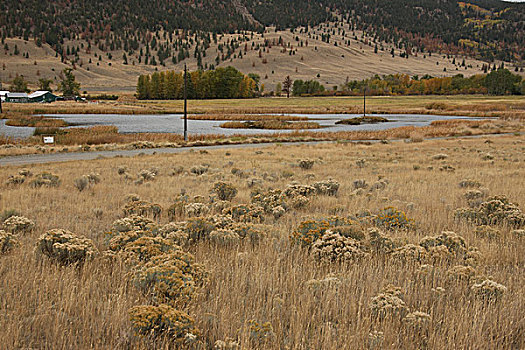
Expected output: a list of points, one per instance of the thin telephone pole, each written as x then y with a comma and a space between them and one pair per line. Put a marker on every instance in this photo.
185, 104
364, 102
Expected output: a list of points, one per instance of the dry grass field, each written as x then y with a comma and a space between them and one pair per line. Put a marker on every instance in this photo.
237, 270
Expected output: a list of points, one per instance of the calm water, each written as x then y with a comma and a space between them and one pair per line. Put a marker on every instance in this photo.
173, 123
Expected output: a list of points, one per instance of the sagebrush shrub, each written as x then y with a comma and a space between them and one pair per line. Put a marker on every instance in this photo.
145, 248
309, 231
393, 218
489, 290
8, 241
198, 228
134, 223
224, 191
306, 164
18, 224
162, 320
81, 183
142, 208
294, 190
388, 304
246, 213
454, 243
379, 242
196, 209
496, 210
332, 247
328, 187
65, 247
45, 180
171, 278
417, 319
224, 237
199, 169
410, 252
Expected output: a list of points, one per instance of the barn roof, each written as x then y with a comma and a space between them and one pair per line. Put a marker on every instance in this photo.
17, 95
38, 94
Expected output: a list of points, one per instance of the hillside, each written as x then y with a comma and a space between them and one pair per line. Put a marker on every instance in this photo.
261, 54
109, 45
490, 29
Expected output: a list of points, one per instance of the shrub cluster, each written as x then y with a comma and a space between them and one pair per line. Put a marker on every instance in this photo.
224, 191
333, 247
497, 210
65, 247
136, 206
18, 224
8, 241
45, 180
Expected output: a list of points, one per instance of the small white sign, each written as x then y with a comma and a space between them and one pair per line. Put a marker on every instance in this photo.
49, 139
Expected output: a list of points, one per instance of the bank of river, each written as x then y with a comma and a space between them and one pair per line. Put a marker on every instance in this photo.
173, 123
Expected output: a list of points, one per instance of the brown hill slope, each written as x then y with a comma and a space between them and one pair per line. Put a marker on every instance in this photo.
300, 55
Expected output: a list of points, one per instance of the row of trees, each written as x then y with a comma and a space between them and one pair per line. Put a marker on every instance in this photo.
498, 82
218, 83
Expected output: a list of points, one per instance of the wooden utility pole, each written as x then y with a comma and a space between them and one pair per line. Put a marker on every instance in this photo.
185, 104
364, 102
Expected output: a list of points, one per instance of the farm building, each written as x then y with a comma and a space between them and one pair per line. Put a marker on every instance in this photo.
3, 95
20, 97
42, 96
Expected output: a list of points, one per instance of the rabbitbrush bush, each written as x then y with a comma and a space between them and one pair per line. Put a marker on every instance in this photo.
196, 209
171, 278
161, 320
327, 187
65, 247
224, 237
489, 290
388, 304
496, 210
142, 208
8, 241
309, 231
46, 180
332, 247
18, 224
224, 191
393, 218
306, 164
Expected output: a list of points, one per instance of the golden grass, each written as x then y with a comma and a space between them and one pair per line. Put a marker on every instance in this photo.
271, 124
33, 121
246, 117
48, 306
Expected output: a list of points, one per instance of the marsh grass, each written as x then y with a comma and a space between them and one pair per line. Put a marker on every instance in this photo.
271, 124
261, 295
468, 105
107, 138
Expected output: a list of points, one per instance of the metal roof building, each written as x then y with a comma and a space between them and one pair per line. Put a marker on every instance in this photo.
20, 97
42, 96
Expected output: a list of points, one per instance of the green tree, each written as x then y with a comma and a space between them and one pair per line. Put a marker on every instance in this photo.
19, 84
287, 86
502, 82
278, 89
143, 88
69, 86
44, 84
